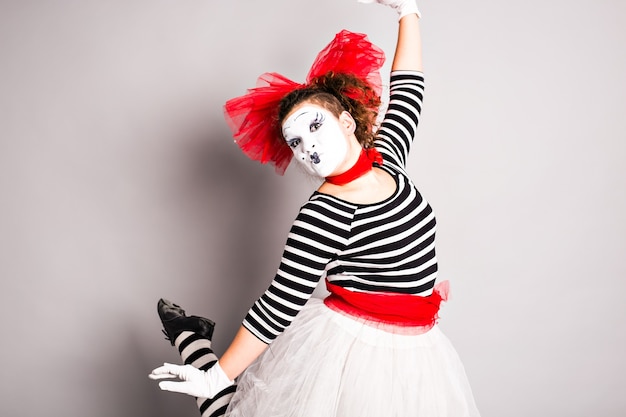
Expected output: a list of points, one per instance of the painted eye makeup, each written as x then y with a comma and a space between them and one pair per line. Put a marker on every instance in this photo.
293, 142
317, 122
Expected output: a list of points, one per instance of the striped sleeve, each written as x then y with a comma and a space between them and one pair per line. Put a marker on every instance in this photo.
319, 232
397, 130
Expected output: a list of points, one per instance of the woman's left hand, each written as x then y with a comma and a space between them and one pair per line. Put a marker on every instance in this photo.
203, 384
402, 7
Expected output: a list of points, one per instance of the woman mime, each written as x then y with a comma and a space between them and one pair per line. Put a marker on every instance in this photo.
372, 347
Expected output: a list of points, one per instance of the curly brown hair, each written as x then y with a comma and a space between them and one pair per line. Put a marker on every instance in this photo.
337, 93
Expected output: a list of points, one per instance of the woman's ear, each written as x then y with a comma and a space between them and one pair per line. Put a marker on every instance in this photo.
347, 121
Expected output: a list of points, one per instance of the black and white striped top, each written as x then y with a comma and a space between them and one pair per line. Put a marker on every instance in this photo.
383, 247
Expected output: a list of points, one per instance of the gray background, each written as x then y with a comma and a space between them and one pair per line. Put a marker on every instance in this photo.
120, 184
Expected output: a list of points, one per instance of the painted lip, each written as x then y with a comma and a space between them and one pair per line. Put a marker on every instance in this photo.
315, 158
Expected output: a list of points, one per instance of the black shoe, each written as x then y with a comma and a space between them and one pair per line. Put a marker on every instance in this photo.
175, 322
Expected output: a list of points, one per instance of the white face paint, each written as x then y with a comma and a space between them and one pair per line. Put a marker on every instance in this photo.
316, 138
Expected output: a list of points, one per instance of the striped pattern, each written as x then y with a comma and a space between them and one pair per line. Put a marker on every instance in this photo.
196, 351
383, 247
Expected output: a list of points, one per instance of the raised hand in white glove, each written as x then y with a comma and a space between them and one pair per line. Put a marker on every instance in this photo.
403, 7
203, 384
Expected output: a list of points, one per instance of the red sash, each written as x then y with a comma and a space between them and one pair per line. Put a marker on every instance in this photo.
390, 308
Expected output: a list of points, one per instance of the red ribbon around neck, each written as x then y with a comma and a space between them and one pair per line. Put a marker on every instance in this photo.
363, 165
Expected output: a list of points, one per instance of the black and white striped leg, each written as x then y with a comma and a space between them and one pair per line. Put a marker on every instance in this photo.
195, 350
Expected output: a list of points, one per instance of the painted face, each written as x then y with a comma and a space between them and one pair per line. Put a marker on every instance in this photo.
316, 138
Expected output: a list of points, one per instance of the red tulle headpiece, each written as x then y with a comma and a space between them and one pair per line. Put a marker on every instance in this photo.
253, 117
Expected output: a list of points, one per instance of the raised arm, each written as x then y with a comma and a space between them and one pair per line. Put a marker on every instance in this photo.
398, 129
408, 55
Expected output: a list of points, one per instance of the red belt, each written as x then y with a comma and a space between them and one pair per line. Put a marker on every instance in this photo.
390, 308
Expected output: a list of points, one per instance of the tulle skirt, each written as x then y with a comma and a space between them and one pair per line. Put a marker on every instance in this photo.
328, 364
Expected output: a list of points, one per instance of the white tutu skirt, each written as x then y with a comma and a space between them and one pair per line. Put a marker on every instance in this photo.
327, 364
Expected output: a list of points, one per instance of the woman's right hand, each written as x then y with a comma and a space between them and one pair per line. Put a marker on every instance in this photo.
402, 7
191, 380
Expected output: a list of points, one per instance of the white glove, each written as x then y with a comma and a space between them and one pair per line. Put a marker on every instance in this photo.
403, 7
203, 384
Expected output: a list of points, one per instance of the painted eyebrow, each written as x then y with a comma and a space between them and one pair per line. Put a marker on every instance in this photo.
301, 114
316, 113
